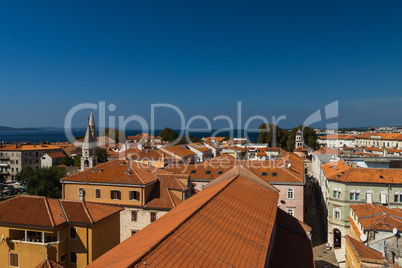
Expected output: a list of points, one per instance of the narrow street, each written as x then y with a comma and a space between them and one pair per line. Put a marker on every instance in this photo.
314, 216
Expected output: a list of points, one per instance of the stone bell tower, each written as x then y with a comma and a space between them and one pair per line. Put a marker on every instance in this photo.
299, 139
88, 158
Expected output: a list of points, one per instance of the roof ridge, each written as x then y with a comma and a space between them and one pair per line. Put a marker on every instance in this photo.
64, 212
135, 171
170, 197
87, 212
285, 169
49, 212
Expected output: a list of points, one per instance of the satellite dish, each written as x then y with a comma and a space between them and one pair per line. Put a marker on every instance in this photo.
363, 237
394, 231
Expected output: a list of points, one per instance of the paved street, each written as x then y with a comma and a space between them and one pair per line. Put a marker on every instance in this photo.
315, 218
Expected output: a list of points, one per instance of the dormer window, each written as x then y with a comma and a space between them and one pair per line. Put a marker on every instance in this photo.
208, 172
220, 172
264, 174
274, 174
193, 171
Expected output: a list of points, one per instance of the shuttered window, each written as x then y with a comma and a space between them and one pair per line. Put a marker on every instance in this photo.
14, 259
98, 193
115, 194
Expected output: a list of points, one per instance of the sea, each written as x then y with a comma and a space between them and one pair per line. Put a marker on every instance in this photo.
36, 136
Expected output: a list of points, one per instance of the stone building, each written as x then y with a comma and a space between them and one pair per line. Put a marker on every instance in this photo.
16, 157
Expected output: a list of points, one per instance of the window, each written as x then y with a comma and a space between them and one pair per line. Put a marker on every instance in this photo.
134, 195
337, 193
220, 172
208, 172
290, 193
397, 197
133, 232
193, 171
73, 257
357, 195
63, 258
98, 193
274, 174
369, 196
80, 193
383, 197
14, 259
352, 194
337, 213
73, 233
291, 211
115, 194
149, 163
153, 216
134, 214
264, 173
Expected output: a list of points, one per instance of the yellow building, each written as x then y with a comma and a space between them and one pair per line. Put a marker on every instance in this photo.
72, 233
357, 255
146, 193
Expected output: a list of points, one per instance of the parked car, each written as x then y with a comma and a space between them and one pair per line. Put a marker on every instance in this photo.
9, 186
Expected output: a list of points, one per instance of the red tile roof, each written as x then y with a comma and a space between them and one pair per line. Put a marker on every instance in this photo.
55, 155
324, 150
29, 147
198, 146
178, 150
115, 172
379, 136
220, 226
364, 253
375, 217
344, 172
162, 196
50, 212
49, 264
292, 248
270, 171
338, 137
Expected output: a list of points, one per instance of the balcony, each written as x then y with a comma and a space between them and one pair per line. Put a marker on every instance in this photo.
30, 237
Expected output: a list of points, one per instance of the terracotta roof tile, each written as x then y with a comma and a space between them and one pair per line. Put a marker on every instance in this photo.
343, 171
48, 212
49, 264
29, 147
115, 172
375, 217
178, 150
198, 146
55, 155
364, 253
216, 227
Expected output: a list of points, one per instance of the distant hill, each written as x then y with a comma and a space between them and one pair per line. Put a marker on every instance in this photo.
3, 128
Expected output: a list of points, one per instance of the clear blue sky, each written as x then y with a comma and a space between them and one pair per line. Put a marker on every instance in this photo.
277, 57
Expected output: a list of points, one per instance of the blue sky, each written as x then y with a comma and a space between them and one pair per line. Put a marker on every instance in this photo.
276, 57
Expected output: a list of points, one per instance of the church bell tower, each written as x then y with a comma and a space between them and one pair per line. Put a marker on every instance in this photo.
88, 158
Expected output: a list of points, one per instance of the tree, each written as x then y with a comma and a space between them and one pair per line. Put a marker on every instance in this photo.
43, 181
309, 135
77, 160
266, 135
114, 134
168, 134
68, 161
101, 153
